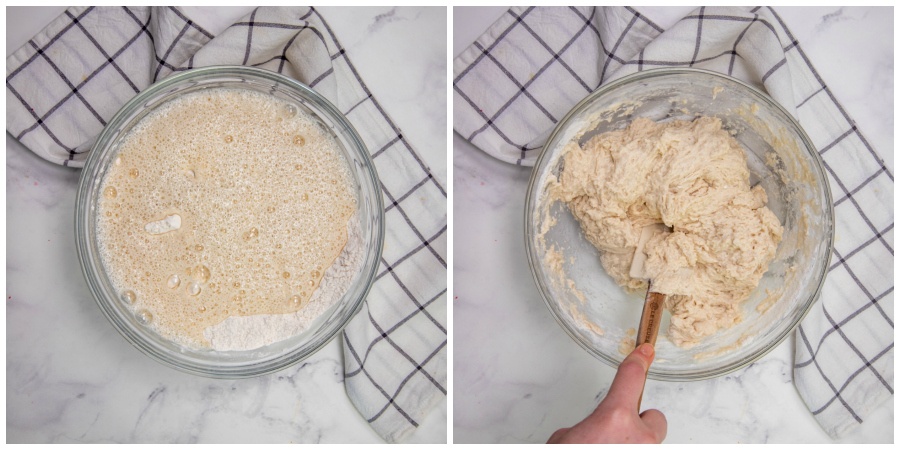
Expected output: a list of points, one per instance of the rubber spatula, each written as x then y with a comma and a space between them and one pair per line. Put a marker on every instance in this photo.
653, 303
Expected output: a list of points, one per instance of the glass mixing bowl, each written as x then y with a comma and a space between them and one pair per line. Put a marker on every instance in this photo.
781, 158
230, 364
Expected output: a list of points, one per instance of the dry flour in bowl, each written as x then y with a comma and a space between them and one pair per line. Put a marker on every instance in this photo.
250, 332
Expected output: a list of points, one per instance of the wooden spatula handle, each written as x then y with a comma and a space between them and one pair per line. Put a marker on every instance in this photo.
650, 318
649, 327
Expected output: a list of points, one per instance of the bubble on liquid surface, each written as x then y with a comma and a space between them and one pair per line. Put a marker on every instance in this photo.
174, 281
109, 192
133, 173
144, 317
194, 288
129, 297
201, 273
290, 110
297, 301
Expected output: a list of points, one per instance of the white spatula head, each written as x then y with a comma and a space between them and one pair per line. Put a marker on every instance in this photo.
638, 262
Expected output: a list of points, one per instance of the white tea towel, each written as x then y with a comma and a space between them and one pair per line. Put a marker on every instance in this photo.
521, 77
67, 81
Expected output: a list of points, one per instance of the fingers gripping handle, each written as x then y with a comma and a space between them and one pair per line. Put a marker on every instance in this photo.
649, 327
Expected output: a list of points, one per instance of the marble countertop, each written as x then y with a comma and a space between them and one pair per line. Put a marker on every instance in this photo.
524, 382
71, 378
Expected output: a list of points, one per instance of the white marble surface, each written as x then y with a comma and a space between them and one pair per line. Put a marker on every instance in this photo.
71, 378
517, 376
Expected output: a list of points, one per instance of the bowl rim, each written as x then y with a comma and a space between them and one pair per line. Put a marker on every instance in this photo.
366, 175
816, 162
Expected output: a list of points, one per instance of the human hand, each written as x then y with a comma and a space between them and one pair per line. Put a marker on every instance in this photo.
616, 419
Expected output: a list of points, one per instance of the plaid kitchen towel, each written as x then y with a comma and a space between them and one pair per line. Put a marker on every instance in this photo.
522, 76
67, 81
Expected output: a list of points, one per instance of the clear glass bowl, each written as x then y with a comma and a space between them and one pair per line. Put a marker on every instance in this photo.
229, 364
780, 157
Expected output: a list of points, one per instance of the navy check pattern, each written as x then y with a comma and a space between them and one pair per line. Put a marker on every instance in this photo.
60, 74
67, 81
512, 87
514, 83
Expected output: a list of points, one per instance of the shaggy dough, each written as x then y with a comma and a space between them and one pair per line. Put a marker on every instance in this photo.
693, 177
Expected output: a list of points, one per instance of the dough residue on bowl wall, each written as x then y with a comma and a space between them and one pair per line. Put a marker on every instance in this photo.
782, 163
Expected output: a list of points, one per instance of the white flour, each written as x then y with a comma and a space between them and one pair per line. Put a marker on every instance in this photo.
250, 332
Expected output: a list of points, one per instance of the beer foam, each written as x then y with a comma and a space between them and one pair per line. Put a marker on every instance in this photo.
223, 203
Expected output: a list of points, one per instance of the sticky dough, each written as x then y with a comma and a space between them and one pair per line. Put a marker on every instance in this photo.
693, 177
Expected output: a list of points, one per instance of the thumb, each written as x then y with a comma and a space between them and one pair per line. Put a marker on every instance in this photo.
628, 383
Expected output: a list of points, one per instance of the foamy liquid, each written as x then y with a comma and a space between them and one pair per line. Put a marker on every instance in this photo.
222, 203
